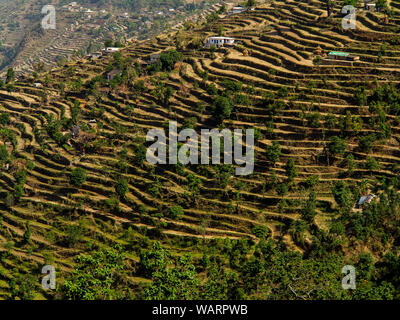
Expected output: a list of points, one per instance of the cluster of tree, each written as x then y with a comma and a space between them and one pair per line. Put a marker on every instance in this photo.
236, 269
225, 102
166, 61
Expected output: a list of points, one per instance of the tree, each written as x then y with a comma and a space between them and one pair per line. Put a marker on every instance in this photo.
360, 96
77, 177
282, 189
260, 231
372, 164
3, 154
98, 276
308, 212
329, 6
336, 146
10, 77
140, 154
350, 163
313, 119
273, 152
175, 212
169, 58
108, 43
4, 118
122, 188
23, 286
350, 2
342, 194
365, 143
381, 4
27, 233
291, 170
212, 89
194, 184
250, 3
311, 181
222, 108
177, 281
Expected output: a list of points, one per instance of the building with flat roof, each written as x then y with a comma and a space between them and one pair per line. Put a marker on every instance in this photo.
110, 50
337, 55
219, 42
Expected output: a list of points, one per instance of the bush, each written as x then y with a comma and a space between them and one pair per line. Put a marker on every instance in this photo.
4, 118
273, 152
168, 59
337, 146
260, 231
212, 89
122, 188
175, 212
311, 181
365, 143
232, 85
282, 189
3, 154
222, 108
77, 177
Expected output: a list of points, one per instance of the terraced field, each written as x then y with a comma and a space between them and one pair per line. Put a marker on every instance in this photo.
289, 96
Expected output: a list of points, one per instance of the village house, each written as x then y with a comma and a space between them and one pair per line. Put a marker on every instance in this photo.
369, 5
237, 9
336, 55
93, 56
365, 200
109, 50
113, 73
75, 131
151, 59
219, 42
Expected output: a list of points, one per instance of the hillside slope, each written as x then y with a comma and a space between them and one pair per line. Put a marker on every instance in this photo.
328, 132
82, 28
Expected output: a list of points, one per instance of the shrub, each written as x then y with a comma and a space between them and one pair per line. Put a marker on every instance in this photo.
4, 118
291, 170
273, 152
122, 188
365, 143
3, 154
337, 146
311, 181
222, 108
175, 212
77, 177
168, 59
212, 89
342, 194
282, 189
260, 231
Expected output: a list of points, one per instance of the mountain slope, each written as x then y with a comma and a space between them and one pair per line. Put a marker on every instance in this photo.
336, 121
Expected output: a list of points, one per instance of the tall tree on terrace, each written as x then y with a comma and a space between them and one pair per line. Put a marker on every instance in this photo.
329, 7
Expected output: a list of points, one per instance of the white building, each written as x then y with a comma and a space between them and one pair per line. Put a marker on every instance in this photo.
237, 9
219, 42
370, 6
109, 50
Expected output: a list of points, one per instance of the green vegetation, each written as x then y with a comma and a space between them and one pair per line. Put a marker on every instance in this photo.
77, 192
